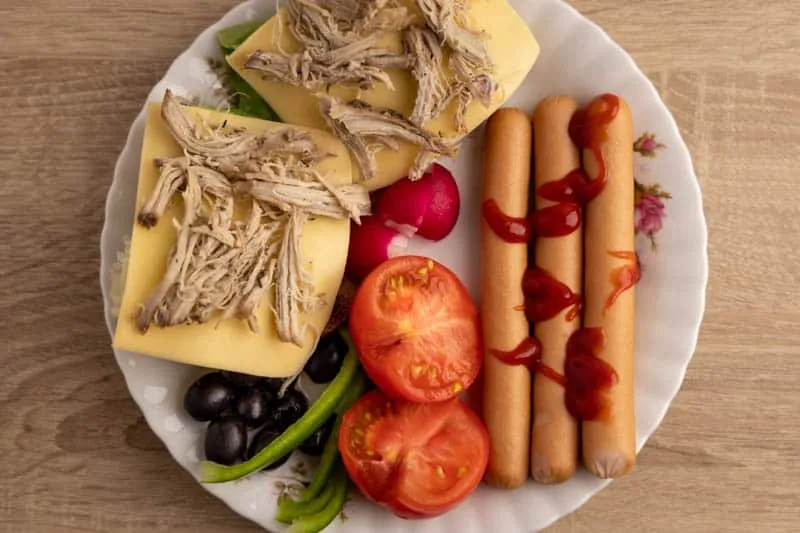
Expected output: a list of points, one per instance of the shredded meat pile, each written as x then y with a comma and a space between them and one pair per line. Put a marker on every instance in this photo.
340, 42
220, 263
365, 129
470, 63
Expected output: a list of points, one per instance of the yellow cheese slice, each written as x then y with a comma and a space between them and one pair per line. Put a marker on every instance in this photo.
511, 46
228, 344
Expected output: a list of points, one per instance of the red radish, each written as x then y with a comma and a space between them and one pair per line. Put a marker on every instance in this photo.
427, 207
371, 244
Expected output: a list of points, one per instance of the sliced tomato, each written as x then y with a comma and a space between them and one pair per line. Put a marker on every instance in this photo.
416, 330
416, 459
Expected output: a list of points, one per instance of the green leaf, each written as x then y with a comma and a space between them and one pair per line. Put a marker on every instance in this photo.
246, 101
230, 38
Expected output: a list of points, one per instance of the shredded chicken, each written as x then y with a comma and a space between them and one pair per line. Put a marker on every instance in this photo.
171, 178
340, 43
292, 295
432, 92
276, 154
340, 40
311, 197
355, 63
220, 263
152, 309
448, 19
331, 24
470, 64
365, 129
235, 146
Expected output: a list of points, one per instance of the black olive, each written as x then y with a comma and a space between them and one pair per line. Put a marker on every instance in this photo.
226, 441
288, 410
240, 380
314, 444
208, 398
272, 385
254, 406
260, 441
246, 382
327, 359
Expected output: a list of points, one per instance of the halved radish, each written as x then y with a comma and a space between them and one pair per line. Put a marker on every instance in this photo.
372, 243
427, 207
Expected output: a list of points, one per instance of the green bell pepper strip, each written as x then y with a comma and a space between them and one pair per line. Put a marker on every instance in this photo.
315, 523
308, 502
316, 415
330, 452
289, 509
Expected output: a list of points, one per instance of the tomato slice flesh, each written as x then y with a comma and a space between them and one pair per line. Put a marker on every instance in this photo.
416, 330
416, 459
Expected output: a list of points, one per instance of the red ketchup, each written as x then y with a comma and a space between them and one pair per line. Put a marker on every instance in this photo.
529, 354
553, 221
574, 188
624, 277
588, 130
556, 221
589, 378
546, 297
510, 229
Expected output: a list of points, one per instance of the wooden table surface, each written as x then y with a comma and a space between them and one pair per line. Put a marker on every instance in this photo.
76, 454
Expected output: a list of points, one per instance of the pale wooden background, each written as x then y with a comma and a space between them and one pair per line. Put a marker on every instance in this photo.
76, 455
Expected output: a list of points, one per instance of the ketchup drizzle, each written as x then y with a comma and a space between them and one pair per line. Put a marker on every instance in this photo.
588, 130
589, 378
625, 276
551, 374
554, 221
508, 228
529, 354
574, 188
546, 297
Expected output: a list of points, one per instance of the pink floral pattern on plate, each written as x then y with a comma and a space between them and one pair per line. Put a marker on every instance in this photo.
649, 200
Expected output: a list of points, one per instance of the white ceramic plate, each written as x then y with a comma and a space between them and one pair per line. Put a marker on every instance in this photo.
578, 59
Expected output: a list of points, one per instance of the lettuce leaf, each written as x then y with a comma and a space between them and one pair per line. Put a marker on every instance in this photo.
245, 100
230, 38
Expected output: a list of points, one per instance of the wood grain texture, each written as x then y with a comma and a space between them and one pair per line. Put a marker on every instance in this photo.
76, 455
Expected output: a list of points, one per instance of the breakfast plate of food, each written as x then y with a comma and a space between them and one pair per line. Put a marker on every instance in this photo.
409, 265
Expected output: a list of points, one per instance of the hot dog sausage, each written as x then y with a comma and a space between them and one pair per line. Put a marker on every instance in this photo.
506, 397
609, 441
554, 438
